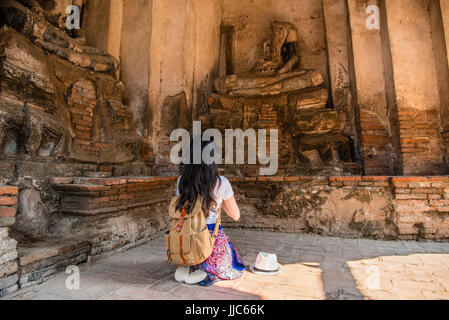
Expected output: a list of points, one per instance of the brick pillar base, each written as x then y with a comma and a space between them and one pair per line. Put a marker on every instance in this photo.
8, 246
421, 145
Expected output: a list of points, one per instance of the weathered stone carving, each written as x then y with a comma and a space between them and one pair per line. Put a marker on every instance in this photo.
275, 73
281, 51
29, 19
277, 94
62, 104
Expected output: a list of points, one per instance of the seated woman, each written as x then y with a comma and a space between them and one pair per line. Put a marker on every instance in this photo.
224, 262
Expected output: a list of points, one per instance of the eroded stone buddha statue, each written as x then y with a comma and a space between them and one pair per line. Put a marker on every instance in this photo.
276, 72
277, 94
29, 18
59, 92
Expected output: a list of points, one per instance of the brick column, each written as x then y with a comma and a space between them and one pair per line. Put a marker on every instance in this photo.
415, 79
342, 78
371, 70
8, 246
115, 29
439, 17
444, 5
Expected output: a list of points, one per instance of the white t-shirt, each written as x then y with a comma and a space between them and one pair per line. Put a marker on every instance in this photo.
222, 191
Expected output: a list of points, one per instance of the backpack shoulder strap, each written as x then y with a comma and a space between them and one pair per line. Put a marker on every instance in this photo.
217, 223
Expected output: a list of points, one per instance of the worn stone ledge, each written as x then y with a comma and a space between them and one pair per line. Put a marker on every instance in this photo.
101, 196
66, 182
391, 179
49, 248
382, 207
109, 210
8, 282
56, 265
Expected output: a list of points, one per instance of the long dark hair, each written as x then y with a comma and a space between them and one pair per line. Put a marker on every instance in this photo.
198, 180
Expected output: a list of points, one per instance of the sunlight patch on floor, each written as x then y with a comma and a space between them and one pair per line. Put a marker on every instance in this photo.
296, 281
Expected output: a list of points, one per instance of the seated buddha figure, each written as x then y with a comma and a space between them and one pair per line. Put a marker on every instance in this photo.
276, 72
277, 93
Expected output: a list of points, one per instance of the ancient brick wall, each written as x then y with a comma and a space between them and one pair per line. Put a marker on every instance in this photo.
309, 134
95, 216
421, 145
112, 212
62, 117
96, 196
376, 207
377, 145
82, 100
422, 206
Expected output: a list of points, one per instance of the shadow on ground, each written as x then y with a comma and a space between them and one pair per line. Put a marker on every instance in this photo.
313, 267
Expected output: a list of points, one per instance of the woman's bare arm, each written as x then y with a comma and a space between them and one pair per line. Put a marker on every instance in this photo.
231, 208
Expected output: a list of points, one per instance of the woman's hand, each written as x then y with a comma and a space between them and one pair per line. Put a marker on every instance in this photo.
231, 208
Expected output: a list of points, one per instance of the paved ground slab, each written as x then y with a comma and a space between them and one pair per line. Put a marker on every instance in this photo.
313, 267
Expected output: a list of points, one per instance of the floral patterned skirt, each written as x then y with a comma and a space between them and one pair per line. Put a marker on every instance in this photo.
224, 262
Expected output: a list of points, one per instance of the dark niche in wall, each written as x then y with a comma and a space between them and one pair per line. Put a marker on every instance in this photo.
227, 47
12, 140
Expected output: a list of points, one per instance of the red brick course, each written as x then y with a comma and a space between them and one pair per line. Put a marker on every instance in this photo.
7, 212
377, 146
421, 145
106, 195
418, 202
9, 190
8, 202
418, 150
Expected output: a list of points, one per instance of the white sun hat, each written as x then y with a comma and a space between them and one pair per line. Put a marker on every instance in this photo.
266, 264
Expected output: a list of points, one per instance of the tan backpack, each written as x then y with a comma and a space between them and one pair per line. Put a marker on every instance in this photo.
189, 241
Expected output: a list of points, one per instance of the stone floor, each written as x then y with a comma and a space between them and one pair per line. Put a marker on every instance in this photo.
314, 267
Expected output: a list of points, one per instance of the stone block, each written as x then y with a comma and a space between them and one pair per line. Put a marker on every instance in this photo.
7, 212
9, 190
345, 179
4, 232
7, 245
8, 257
9, 290
402, 190
440, 185
9, 281
39, 275
8, 201
375, 178
8, 268
427, 190
409, 179
402, 185
7, 221
439, 203
43, 255
411, 196
417, 185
